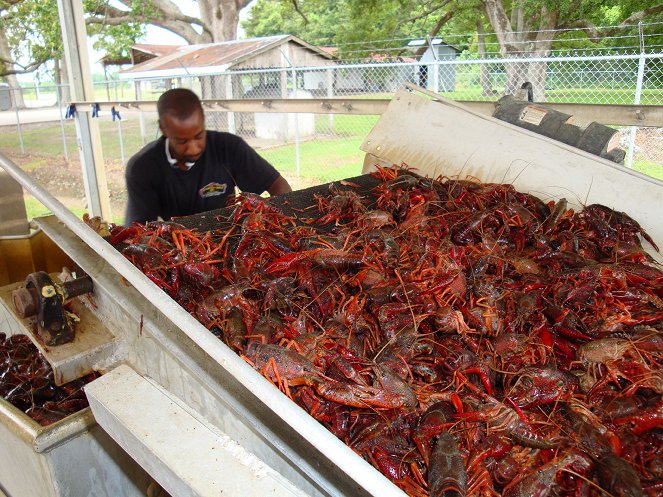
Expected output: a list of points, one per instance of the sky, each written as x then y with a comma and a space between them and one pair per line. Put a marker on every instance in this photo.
154, 35
160, 36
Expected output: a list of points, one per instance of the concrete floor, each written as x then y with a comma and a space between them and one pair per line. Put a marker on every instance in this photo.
29, 116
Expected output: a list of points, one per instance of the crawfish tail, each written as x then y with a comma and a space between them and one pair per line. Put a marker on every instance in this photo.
550, 223
446, 471
618, 477
539, 483
437, 418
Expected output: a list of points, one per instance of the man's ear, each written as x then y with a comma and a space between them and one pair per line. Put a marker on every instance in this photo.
161, 128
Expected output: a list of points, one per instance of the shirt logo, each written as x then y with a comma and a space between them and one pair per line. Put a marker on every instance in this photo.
213, 190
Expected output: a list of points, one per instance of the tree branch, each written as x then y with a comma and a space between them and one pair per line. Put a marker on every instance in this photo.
428, 12
24, 69
434, 31
593, 33
295, 5
168, 16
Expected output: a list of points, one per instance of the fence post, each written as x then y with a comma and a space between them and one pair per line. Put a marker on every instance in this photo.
232, 128
638, 94
138, 86
61, 118
296, 117
18, 117
119, 133
330, 94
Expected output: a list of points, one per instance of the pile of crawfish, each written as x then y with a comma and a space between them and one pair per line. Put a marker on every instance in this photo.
464, 338
26, 381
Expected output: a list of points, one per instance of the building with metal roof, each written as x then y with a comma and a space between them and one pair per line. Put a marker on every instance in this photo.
215, 58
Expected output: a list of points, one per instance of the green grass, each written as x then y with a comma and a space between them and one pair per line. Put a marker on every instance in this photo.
323, 160
649, 168
604, 96
46, 140
34, 208
125, 92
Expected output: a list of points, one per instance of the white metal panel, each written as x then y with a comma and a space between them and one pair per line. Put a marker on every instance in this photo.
73, 457
186, 455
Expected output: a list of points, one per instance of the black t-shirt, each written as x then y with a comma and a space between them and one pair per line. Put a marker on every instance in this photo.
157, 189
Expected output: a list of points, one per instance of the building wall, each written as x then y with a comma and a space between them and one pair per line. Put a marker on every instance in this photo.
295, 53
438, 78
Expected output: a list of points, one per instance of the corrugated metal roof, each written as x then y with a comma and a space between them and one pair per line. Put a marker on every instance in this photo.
195, 59
155, 50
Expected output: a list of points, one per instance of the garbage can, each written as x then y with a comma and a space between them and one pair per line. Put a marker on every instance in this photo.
5, 97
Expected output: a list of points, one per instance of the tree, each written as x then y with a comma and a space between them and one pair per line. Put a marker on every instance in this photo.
528, 28
522, 28
26, 33
218, 19
318, 25
359, 27
27, 26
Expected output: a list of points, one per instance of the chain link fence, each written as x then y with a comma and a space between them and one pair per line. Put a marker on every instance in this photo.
314, 148
589, 79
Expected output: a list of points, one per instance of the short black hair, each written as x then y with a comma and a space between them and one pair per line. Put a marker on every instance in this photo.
180, 103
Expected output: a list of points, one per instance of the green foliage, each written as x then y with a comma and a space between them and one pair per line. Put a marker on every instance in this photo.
32, 30
364, 27
361, 28
117, 40
272, 17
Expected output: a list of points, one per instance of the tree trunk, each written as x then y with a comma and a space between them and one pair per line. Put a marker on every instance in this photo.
514, 44
536, 74
221, 17
12, 81
484, 76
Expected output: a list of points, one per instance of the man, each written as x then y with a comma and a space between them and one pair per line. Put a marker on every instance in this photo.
189, 169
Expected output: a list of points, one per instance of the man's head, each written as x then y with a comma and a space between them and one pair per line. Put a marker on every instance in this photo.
182, 121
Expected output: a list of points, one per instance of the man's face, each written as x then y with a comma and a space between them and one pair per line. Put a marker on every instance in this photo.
186, 137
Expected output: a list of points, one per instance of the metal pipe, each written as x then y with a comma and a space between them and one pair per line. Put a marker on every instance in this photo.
314, 433
638, 93
119, 132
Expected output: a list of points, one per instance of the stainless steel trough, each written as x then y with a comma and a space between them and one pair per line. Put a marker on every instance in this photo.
165, 353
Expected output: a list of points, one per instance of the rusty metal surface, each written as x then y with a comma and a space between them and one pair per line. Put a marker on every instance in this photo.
214, 54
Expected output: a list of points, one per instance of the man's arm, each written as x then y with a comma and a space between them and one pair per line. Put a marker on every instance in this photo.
279, 186
142, 199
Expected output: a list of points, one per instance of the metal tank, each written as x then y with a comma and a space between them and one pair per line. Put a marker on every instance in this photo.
184, 406
74, 456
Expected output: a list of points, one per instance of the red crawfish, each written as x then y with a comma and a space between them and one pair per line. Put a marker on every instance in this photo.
200, 273
380, 397
322, 258
503, 419
446, 470
618, 477
540, 482
608, 223
435, 420
542, 385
